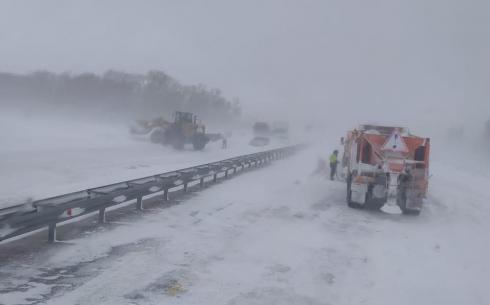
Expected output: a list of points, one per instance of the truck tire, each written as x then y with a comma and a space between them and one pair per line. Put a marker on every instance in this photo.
411, 212
373, 202
350, 203
401, 200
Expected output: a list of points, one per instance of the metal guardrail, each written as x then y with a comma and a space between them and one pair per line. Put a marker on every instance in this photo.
25, 218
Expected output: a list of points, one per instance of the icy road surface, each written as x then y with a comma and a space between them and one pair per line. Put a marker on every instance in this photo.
273, 236
41, 158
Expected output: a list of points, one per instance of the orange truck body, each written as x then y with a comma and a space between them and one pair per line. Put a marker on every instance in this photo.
382, 162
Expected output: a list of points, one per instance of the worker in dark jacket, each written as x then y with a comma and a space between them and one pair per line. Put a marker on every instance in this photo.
333, 164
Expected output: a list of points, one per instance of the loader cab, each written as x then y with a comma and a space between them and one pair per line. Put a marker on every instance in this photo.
184, 117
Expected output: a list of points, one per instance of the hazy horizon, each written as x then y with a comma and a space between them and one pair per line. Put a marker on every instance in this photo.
402, 61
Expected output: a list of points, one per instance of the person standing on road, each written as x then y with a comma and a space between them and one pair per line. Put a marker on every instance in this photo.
333, 163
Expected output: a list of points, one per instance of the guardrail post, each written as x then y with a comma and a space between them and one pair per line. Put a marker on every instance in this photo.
226, 173
139, 203
185, 187
52, 232
102, 215
234, 170
215, 177
165, 194
201, 182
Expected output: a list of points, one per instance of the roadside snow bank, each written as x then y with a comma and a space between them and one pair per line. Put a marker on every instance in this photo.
43, 157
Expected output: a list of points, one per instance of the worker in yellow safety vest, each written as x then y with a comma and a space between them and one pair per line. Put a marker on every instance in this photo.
333, 164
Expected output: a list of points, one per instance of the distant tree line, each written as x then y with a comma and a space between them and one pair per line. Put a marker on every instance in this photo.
149, 95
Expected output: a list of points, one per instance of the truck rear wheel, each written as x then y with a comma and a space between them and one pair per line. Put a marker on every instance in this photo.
377, 194
350, 203
401, 200
373, 203
411, 212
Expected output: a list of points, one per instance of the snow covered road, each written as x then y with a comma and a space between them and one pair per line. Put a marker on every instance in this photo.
273, 236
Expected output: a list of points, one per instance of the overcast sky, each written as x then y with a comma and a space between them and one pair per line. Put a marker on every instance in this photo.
369, 59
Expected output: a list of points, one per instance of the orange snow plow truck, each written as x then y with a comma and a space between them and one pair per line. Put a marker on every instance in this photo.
382, 163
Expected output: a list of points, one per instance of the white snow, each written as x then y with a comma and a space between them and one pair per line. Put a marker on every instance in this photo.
44, 157
281, 236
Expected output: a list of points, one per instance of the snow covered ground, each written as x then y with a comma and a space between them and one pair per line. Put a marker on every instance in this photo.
274, 236
42, 157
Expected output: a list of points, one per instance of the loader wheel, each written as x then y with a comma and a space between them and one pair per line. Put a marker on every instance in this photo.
199, 141
350, 203
157, 136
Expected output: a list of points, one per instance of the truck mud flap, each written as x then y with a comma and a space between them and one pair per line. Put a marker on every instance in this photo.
358, 193
410, 200
414, 199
